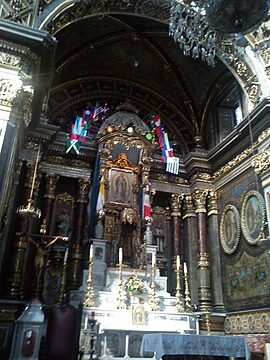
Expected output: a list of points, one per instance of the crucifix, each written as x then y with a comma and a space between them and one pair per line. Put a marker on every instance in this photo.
42, 249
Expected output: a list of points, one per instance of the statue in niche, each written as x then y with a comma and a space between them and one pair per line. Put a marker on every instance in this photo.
127, 237
159, 239
99, 228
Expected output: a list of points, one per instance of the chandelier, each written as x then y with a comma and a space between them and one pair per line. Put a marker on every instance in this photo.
199, 26
29, 211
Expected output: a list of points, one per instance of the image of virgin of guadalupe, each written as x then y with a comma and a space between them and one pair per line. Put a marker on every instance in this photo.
121, 187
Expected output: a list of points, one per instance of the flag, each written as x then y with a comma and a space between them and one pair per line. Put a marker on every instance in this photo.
100, 200
88, 112
173, 165
146, 201
104, 111
78, 129
97, 111
73, 144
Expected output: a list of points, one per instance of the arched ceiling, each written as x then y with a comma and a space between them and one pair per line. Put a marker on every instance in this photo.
119, 56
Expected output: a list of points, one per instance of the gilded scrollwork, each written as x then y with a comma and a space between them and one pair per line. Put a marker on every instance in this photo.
83, 190
51, 182
261, 162
9, 59
23, 104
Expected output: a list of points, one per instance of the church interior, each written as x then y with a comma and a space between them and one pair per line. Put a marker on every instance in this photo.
135, 179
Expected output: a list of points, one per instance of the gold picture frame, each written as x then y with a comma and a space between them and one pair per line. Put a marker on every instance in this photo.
253, 217
230, 229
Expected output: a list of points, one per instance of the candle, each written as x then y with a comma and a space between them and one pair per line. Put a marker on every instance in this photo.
91, 252
85, 322
120, 255
185, 269
153, 259
66, 255
177, 262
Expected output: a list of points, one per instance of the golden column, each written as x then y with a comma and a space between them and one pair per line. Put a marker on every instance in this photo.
204, 287
75, 259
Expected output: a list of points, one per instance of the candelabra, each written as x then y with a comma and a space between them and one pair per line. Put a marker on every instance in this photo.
153, 296
120, 290
199, 27
29, 211
188, 307
179, 300
89, 300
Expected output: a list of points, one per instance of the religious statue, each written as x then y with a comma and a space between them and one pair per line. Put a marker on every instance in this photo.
42, 249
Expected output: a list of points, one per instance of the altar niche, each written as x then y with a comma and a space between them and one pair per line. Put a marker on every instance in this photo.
122, 222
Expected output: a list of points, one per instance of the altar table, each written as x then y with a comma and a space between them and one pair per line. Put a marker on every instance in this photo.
179, 344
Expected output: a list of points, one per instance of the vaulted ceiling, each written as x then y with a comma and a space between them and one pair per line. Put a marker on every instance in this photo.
115, 57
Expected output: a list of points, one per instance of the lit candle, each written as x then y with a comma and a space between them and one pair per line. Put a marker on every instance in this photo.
185, 268
91, 252
153, 259
177, 262
120, 255
66, 256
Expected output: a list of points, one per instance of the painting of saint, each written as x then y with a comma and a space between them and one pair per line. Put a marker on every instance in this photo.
252, 216
120, 187
230, 229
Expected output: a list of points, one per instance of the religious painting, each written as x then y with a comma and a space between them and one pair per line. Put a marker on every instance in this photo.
138, 315
121, 187
62, 215
252, 217
230, 229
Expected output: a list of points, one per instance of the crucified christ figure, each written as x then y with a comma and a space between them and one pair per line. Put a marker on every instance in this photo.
41, 252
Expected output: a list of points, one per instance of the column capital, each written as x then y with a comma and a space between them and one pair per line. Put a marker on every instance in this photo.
189, 208
199, 197
176, 201
212, 203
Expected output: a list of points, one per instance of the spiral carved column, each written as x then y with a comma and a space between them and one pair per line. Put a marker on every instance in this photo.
214, 245
204, 287
75, 260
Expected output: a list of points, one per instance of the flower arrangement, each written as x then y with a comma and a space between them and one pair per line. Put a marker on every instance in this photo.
134, 286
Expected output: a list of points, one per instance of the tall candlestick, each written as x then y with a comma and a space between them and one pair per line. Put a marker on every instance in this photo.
120, 255
153, 259
185, 268
66, 255
177, 262
91, 252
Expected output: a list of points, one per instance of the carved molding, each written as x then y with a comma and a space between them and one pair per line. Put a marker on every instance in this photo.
8, 92
261, 162
84, 189
51, 182
248, 323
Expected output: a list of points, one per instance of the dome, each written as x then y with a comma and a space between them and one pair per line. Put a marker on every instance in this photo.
125, 115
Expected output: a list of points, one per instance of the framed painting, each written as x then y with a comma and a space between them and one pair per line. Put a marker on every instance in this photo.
252, 217
230, 229
120, 189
